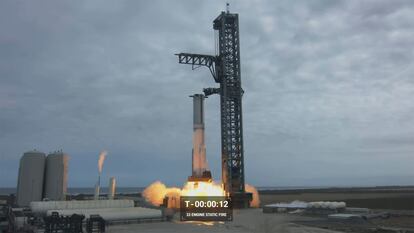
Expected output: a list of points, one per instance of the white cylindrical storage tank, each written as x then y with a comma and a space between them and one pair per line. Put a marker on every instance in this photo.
111, 188
30, 180
56, 176
41, 207
113, 214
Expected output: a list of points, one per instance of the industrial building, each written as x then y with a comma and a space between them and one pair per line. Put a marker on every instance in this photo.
55, 184
42, 177
31, 177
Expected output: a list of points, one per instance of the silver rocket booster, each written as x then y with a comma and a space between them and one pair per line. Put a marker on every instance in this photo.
200, 170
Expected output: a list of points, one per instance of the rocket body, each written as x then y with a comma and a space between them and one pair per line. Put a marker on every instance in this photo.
199, 162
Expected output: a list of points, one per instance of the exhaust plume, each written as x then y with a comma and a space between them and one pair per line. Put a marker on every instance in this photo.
157, 191
256, 199
101, 160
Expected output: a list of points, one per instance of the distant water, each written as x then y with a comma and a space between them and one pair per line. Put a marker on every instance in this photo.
126, 190
6, 191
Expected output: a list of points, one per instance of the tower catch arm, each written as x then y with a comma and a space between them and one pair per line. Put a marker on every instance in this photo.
197, 60
211, 90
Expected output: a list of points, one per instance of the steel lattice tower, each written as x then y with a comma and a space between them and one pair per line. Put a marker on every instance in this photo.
225, 68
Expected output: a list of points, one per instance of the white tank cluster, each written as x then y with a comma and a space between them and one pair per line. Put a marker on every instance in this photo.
42, 207
113, 214
313, 207
110, 210
326, 205
42, 177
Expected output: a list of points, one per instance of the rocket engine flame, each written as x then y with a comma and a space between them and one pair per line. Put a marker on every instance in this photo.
101, 160
202, 189
157, 191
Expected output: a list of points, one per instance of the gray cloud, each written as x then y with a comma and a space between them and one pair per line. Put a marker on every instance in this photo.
328, 88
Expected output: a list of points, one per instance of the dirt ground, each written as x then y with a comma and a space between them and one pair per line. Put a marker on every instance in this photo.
398, 201
248, 220
254, 221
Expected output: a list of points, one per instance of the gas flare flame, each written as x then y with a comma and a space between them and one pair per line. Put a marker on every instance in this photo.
101, 160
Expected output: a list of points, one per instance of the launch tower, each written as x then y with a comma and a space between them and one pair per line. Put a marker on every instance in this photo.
225, 69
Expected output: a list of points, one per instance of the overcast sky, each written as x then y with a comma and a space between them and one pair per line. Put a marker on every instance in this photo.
329, 89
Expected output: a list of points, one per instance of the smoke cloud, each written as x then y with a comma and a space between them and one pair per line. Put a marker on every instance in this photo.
101, 160
156, 192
